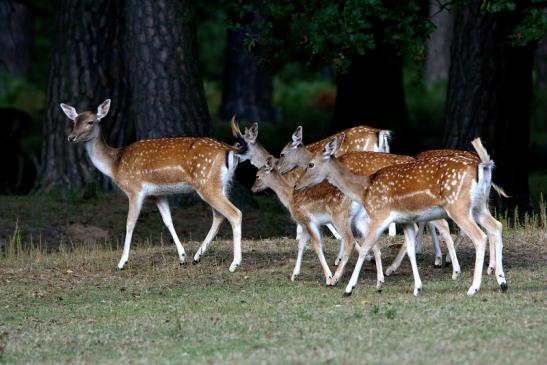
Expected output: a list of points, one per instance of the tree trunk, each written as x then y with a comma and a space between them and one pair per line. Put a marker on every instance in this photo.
438, 44
541, 64
166, 88
86, 68
371, 92
489, 95
16, 38
247, 89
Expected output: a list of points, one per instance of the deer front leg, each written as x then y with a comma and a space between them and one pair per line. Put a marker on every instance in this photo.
217, 221
163, 206
444, 231
302, 242
315, 238
436, 245
135, 204
398, 260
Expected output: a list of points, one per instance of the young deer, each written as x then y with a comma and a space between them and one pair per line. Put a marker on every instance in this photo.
159, 167
418, 191
312, 208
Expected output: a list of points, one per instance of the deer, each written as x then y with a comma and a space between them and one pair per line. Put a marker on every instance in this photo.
312, 208
157, 168
360, 138
421, 190
296, 155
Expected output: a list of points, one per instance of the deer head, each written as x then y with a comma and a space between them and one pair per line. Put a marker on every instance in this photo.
320, 164
86, 124
294, 154
264, 175
256, 154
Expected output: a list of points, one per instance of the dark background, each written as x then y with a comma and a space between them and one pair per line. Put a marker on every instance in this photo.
436, 73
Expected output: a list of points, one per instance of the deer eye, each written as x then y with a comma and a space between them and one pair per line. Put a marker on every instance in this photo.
91, 122
311, 165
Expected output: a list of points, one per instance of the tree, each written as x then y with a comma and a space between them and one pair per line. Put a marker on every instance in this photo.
86, 68
489, 94
247, 87
166, 90
438, 43
16, 38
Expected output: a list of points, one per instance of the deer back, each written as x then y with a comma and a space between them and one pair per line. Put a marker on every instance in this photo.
360, 138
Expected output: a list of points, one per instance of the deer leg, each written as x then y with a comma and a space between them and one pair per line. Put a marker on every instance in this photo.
135, 204
444, 231
436, 245
217, 221
315, 238
374, 232
163, 206
302, 242
220, 203
459, 238
343, 226
468, 225
494, 229
410, 237
420, 237
398, 260
379, 269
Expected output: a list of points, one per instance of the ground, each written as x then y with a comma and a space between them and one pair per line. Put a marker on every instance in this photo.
71, 305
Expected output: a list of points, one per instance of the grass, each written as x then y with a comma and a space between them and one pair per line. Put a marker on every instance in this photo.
72, 306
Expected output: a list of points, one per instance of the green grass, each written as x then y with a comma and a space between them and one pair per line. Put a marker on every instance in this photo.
72, 306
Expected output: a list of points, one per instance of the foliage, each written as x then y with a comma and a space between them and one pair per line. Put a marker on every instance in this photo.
324, 32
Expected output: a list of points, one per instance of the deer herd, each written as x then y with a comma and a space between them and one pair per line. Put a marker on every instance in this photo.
349, 182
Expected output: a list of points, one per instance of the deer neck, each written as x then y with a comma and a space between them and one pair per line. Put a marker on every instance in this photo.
283, 190
102, 155
347, 182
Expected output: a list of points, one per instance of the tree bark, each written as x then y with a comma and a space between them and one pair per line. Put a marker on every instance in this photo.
16, 38
86, 68
438, 44
371, 92
247, 88
166, 87
489, 95
541, 64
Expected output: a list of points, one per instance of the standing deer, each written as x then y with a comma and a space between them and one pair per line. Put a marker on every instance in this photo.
418, 191
159, 167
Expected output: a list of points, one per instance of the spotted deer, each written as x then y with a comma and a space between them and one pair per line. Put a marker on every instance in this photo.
159, 167
296, 155
312, 208
421, 190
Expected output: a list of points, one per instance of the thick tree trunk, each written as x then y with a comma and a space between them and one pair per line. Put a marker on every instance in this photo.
371, 92
541, 64
16, 38
86, 68
438, 44
247, 89
166, 87
489, 95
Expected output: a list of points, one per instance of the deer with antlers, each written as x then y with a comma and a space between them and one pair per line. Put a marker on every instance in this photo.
159, 167
422, 190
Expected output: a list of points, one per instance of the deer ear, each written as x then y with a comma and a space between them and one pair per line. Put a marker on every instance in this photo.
297, 136
70, 111
102, 110
333, 146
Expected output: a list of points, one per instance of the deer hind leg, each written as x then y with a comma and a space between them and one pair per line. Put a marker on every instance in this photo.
410, 239
459, 238
163, 206
494, 229
468, 225
444, 231
221, 204
135, 205
315, 238
217, 221
420, 237
361, 225
302, 242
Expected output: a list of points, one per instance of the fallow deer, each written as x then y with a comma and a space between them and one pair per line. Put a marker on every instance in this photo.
312, 208
296, 155
159, 167
418, 191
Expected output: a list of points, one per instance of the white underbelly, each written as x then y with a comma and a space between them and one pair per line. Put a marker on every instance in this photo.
166, 189
420, 216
